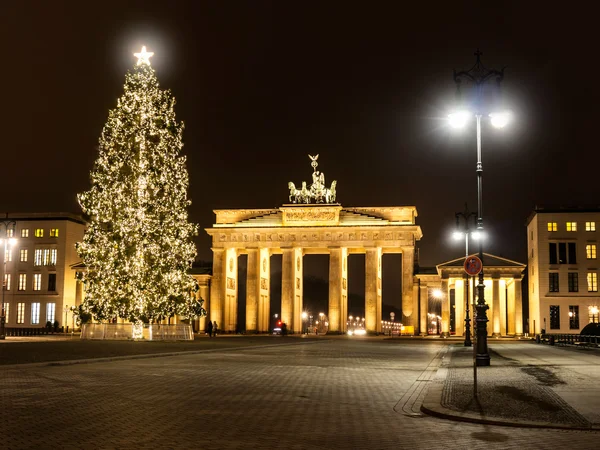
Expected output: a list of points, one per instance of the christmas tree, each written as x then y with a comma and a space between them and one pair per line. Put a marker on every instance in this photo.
138, 245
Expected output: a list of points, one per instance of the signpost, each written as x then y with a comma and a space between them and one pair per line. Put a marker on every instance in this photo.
473, 266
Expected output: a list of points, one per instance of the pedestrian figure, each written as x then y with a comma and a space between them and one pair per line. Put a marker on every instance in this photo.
215, 328
209, 328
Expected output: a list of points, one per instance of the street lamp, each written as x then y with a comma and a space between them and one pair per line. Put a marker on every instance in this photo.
466, 216
479, 75
9, 242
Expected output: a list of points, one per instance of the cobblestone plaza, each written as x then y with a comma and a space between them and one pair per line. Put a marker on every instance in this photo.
269, 393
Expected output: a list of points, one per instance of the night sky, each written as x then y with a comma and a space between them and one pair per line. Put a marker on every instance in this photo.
259, 85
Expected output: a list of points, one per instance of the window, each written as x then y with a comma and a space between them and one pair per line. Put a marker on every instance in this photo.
554, 317
552, 226
592, 281
50, 312
37, 257
590, 251
10, 233
573, 317
8, 255
590, 226
573, 282
25, 232
52, 282
531, 233
53, 232
22, 281
6, 311
7, 281
20, 312
35, 313
567, 253
39, 232
571, 226
553, 282
23, 255
53, 253
37, 281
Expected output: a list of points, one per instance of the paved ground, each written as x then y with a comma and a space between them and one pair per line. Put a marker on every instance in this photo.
276, 393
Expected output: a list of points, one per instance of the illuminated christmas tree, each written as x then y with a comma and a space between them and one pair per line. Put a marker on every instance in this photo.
138, 246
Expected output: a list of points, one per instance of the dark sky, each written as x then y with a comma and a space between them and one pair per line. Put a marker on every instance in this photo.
259, 85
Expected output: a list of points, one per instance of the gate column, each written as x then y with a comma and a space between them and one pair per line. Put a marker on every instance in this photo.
252, 290
291, 289
230, 310
338, 290
409, 313
264, 290
373, 290
217, 289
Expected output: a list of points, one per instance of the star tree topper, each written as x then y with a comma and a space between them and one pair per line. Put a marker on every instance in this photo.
143, 56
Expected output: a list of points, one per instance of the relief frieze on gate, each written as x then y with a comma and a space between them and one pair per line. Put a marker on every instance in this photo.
397, 237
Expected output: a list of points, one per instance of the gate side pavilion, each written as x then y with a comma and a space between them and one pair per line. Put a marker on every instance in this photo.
296, 230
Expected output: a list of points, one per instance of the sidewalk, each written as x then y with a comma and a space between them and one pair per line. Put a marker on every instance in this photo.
526, 385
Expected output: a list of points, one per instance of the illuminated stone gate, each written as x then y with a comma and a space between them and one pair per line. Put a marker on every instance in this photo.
297, 230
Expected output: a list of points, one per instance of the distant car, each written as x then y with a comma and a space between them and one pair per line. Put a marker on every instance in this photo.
277, 330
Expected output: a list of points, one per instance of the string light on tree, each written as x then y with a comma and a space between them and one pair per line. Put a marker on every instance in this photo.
138, 245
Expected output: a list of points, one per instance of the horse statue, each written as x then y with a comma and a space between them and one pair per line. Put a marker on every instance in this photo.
330, 193
304, 193
294, 193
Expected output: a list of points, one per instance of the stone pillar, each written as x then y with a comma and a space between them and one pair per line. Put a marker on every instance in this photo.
264, 289
291, 289
373, 290
445, 308
409, 314
252, 290
510, 305
503, 308
518, 307
415, 295
217, 291
459, 307
495, 309
424, 310
203, 293
230, 310
338, 290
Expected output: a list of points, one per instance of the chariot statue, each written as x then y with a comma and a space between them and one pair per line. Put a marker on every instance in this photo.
317, 192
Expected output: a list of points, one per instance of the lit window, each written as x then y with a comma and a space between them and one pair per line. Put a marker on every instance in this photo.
37, 257
53, 253
552, 226
37, 281
52, 282
35, 313
46, 256
590, 226
53, 232
23, 255
25, 232
10, 233
571, 226
590, 251
20, 312
6, 311
7, 281
8, 255
39, 232
22, 281
50, 312
592, 281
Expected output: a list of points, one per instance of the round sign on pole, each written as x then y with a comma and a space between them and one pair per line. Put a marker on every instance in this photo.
473, 265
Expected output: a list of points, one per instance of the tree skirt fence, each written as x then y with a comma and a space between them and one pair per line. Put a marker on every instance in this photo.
124, 331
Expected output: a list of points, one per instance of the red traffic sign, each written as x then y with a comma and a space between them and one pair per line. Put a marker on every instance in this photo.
473, 265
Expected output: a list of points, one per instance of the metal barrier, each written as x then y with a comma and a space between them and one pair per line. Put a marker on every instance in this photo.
14, 331
124, 331
576, 340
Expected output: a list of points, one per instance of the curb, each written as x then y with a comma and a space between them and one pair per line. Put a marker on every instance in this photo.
432, 405
146, 356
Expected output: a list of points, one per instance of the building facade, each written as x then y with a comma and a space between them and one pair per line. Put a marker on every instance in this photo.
562, 249
39, 286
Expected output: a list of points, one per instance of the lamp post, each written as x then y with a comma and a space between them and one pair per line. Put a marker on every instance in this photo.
9, 242
466, 216
479, 75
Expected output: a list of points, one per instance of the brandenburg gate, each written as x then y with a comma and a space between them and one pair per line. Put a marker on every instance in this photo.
300, 228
